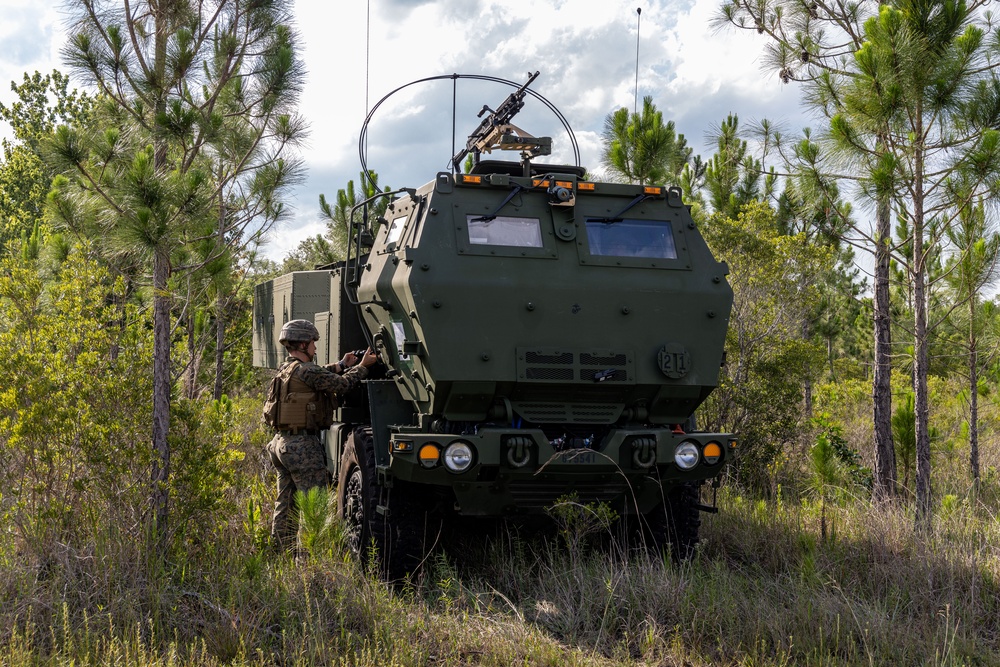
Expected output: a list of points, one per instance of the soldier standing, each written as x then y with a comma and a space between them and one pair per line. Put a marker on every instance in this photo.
307, 395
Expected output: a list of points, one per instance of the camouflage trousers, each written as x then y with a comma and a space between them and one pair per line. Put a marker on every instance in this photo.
301, 465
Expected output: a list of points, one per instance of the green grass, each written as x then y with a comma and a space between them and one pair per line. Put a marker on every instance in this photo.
764, 590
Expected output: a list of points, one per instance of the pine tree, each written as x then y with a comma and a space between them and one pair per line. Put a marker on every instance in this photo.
191, 92
640, 148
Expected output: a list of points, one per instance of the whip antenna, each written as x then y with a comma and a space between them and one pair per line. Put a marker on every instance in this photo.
638, 23
368, 50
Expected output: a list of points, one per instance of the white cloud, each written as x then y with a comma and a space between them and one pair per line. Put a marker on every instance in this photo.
356, 52
280, 244
30, 39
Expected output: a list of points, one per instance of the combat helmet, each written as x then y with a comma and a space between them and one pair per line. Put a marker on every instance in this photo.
298, 331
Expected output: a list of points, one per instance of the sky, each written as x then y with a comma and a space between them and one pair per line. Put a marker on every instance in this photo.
357, 51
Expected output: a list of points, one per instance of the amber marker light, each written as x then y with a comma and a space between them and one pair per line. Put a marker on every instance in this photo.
650, 190
585, 186
469, 178
402, 446
429, 455
712, 453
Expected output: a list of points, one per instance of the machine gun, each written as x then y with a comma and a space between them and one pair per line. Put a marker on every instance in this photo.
497, 132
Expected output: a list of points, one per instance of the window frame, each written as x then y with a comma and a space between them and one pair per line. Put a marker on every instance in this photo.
466, 247
680, 261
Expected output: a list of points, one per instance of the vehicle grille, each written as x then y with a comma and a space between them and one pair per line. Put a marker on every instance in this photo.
549, 374
567, 413
577, 367
536, 494
536, 357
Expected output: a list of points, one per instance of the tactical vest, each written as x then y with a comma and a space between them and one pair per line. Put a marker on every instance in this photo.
294, 406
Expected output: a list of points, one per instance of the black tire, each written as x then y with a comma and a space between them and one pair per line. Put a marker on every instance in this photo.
677, 521
392, 538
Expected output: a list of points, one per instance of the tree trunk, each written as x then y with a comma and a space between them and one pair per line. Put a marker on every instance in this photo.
161, 394
807, 390
920, 398
160, 494
191, 375
973, 397
885, 456
220, 306
220, 342
920, 355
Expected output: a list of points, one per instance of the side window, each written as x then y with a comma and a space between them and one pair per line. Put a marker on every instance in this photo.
503, 236
504, 231
395, 230
652, 239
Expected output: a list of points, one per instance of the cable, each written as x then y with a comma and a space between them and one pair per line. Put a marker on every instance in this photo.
363, 138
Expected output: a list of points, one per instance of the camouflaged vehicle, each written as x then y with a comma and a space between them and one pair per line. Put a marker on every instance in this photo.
541, 335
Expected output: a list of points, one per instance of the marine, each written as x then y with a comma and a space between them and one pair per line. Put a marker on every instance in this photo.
301, 403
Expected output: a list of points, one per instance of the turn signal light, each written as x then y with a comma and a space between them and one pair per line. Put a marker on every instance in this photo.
712, 453
430, 455
402, 446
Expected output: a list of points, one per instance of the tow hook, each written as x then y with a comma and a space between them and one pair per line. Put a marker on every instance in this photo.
644, 452
518, 451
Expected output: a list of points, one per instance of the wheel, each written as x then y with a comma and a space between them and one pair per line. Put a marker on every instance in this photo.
390, 537
677, 521
351, 502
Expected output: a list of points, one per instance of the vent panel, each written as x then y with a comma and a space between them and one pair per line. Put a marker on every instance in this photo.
535, 357
577, 367
542, 373
587, 359
568, 413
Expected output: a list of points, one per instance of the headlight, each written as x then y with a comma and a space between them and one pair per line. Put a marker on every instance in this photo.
458, 456
686, 455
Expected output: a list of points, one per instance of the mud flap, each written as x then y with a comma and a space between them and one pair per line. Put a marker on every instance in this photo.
333, 445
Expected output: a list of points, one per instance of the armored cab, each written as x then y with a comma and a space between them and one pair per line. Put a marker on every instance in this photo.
575, 327
541, 335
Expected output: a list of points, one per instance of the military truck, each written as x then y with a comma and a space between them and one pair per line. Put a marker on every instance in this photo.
541, 334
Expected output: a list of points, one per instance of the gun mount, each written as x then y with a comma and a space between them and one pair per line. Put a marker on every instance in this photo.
496, 132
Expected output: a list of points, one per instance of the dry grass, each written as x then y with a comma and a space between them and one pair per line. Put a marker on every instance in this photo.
763, 590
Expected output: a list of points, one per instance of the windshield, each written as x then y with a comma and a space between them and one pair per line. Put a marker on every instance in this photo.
632, 238
505, 231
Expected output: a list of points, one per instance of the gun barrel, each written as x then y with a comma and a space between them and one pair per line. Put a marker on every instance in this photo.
503, 115
531, 78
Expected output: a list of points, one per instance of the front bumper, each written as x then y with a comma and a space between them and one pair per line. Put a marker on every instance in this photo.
519, 471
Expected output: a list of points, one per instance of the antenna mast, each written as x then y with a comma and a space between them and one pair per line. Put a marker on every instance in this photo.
638, 24
368, 49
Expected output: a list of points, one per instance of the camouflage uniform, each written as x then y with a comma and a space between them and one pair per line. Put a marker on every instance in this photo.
299, 458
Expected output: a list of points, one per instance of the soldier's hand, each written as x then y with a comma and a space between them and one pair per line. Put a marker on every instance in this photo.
369, 359
348, 361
